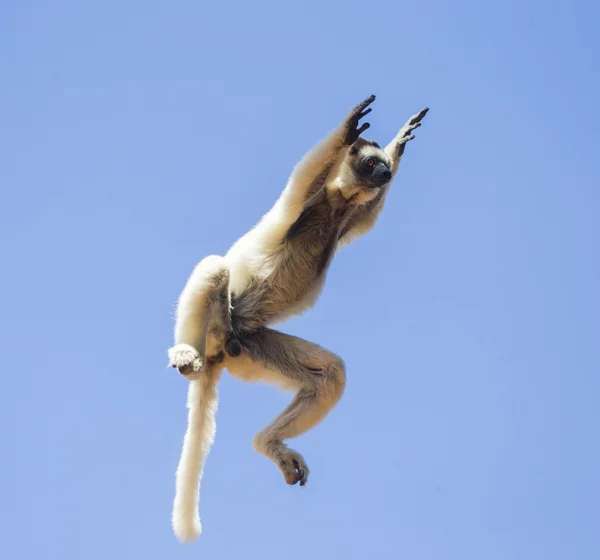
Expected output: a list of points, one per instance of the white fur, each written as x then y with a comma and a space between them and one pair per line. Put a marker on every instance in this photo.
256, 253
188, 326
202, 404
184, 354
375, 151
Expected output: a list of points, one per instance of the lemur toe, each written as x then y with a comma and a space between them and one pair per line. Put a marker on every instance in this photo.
302, 472
294, 470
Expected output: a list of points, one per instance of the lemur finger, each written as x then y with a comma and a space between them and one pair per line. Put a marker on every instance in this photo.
361, 115
362, 106
419, 116
407, 129
422, 113
406, 139
302, 473
363, 128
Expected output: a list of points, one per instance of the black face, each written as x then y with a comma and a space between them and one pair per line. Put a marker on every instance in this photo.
374, 172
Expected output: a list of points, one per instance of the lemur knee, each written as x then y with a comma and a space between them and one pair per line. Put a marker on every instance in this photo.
213, 271
328, 385
335, 381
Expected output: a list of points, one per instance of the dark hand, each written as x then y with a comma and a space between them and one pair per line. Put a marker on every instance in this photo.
352, 130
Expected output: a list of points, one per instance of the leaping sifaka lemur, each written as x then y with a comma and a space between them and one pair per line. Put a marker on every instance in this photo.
276, 270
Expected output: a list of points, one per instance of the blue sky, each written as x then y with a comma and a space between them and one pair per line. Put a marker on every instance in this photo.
138, 137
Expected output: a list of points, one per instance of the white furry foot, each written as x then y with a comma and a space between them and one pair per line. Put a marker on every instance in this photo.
185, 358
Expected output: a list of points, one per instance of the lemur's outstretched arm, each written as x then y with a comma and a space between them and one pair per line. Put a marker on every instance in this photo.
395, 148
323, 161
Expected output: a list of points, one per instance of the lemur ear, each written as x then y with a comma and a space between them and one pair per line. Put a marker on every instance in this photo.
353, 151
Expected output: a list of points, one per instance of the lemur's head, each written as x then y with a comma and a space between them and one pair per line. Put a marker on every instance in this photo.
365, 170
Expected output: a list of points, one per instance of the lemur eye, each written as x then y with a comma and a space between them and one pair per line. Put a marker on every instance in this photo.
370, 162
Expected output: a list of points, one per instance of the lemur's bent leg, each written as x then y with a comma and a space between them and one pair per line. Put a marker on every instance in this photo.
203, 311
395, 149
318, 377
323, 161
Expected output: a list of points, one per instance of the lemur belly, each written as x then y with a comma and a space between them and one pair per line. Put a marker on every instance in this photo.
298, 270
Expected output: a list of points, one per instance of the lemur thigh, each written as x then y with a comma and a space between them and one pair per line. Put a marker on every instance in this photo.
318, 377
203, 302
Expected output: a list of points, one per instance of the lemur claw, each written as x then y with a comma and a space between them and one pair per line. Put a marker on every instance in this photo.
302, 473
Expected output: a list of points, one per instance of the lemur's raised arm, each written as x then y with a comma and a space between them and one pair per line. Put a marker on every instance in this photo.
395, 149
322, 162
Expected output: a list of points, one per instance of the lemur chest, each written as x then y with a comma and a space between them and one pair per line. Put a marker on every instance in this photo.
294, 274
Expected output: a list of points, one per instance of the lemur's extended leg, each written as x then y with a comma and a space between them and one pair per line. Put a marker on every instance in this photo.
396, 147
317, 376
323, 161
203, 308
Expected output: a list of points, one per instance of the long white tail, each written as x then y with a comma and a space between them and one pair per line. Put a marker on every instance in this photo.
202, 403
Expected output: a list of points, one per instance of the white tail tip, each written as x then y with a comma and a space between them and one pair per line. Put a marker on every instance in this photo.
186, 530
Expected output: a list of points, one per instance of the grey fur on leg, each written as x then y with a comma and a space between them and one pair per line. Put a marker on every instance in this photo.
319, 376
